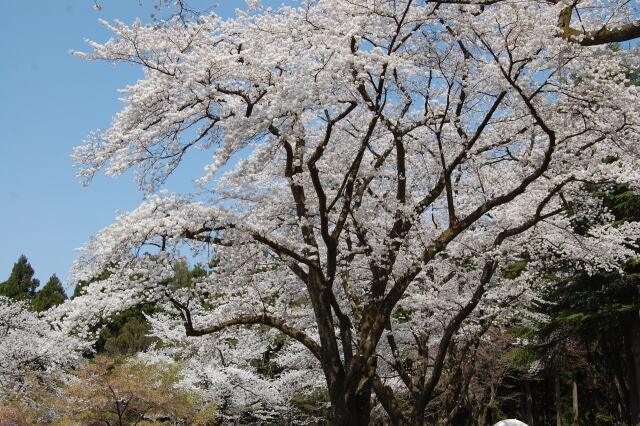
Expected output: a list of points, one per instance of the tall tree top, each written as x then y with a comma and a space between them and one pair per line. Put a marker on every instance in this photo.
21, 285
52, 294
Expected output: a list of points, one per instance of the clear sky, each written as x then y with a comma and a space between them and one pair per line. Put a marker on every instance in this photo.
49, 102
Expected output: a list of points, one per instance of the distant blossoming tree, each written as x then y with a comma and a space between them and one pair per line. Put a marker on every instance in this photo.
120, 392
31, 346
375, 167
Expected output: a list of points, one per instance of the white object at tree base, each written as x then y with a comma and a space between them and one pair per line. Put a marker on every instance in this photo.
510, 422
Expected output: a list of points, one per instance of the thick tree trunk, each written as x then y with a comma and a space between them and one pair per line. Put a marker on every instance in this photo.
622, 394
528, 398
632, 346
558, 400
575, 405
356, 411
490, 407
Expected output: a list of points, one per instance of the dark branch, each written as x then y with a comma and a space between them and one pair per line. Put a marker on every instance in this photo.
248, 320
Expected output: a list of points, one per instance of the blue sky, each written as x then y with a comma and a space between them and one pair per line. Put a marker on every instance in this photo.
49, 102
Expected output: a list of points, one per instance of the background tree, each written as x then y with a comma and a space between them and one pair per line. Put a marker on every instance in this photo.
583, 342
52, 294
33, 403
31, 347
126, 333
121, 392
597, 315
21, 285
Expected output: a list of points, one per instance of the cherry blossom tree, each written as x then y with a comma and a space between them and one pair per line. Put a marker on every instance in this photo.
376, 167
31, 349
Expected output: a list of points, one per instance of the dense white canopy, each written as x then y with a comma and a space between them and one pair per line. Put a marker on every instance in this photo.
374, 167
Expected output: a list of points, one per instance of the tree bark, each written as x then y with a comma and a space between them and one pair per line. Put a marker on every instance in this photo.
558, 401
622, 395
356, 411
632, 347
576, 411
528, 398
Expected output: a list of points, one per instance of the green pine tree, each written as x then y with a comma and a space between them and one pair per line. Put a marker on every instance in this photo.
21, 285
50, 295
132, 335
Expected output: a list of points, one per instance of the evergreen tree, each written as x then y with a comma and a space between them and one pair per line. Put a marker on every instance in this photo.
126, 333
592, 341
50, 295
21, 285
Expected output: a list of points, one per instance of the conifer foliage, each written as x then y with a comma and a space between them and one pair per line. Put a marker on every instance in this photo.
21, 285
52, 294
